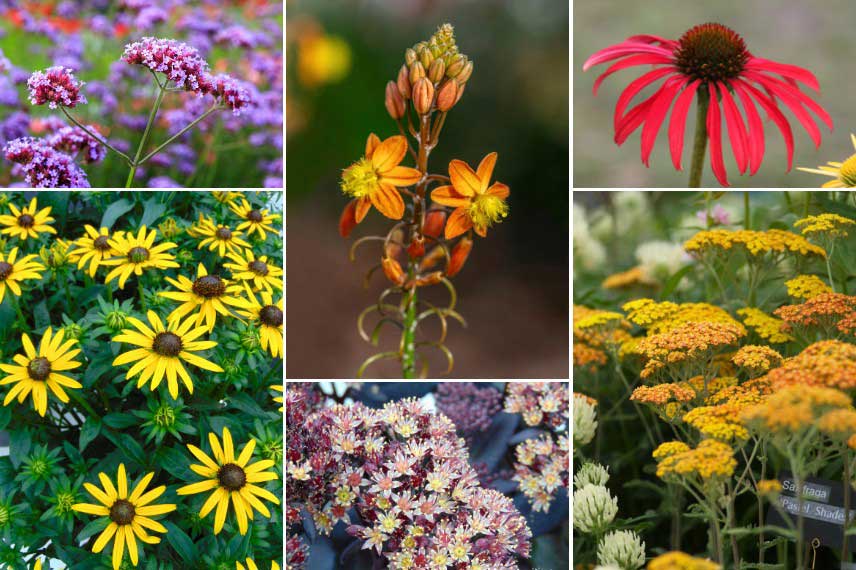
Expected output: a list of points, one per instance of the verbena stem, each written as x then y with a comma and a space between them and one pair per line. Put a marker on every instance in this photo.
95, 136
700, 142
171, 139
142, 145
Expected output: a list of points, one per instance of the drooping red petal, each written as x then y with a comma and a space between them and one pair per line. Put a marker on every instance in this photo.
678, 122
714, 133
756, 128
634, 88
802, 97
736, 129
657, 113
651, 39
776, 116
621, 50
787, 97
644, 59
787, 71
631, 121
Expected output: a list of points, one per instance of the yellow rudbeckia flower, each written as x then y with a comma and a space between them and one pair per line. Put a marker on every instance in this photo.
136, 254
13, 270
208, 295
254, 220
29, 221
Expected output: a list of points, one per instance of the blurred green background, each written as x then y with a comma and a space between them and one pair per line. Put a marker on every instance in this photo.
817, 35
514, 289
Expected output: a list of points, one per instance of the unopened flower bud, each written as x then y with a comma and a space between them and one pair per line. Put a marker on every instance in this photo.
423, 96
417, 72
186, 256
434, 222
72, 331
393, 247
250, 339
436, 71
169, 228
416, 248
460, 93
393, 271
447, 95
426, 58
460, 253
394, 102
409, 55
456, 65
431, 279
433, 258
465, 73
403, 82
348, 219
116, 320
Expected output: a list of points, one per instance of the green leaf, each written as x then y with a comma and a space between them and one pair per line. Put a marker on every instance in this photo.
19, 445
129, 445
58, 201
114, 210
674, 281
117, 420
5, 416
42, 316
90, 430
152, 210
246, 404
93, 528
175, 463
180, 542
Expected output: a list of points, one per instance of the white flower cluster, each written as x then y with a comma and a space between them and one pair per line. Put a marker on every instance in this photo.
660, 260
585, 420
591, 474
589, 253
594, 508
622, 549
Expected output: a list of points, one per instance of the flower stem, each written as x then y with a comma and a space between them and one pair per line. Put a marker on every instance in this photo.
142, 145
95, 136
747, 220
829, 266
408, 341
171, 139
21, 320
700, 142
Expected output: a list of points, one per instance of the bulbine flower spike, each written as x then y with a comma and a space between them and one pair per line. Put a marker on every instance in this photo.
711, 64
426, 88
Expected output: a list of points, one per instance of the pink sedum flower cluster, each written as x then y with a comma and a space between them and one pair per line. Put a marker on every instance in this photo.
546, 403
55, 86
405, 473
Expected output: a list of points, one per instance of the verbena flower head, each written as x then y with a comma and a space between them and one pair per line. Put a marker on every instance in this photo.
843, 173
55, 86
710, 62
622, 548
43, 166
180, 63
74, 140
27, 222
594, 509
14, 270
231, 92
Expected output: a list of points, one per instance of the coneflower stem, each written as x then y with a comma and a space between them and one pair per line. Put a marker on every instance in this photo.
700, 142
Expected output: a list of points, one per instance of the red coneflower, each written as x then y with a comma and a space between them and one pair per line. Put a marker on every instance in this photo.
711, 62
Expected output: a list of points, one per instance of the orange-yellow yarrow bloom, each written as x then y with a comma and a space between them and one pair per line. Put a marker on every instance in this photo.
373, 179
477, 203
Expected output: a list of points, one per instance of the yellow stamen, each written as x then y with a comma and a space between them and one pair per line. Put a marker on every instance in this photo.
360, 179
486, 210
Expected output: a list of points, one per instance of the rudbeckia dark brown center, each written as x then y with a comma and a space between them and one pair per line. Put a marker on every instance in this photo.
209, 286
5, 270
254, 216
259, 267
101, 244
711, 52
26, 220
39, 368
138, 254
167, 344
271, 316
232, 477
122, 512
223, 233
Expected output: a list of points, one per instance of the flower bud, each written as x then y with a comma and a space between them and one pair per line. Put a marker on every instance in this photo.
460, 93
434, 222
403, 82
417, 72
433, 258
460, 253
465, 73
456, 65
423, 96
250, 339
394, 101
436, 71
393, 247
416, 248
116, 320
169, 228
447, 95
348, 219
393, 271
409, 55
426, 58
72, 331
431, 279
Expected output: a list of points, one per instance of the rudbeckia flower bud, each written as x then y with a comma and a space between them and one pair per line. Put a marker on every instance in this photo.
456, 65
426, 58
434, 222
348, 219
423, 96
417, 72
416, 248
393, 271
447, 95
460, 253
433, 258
394, 101
403, 82
409, 55
465, 73
436, 71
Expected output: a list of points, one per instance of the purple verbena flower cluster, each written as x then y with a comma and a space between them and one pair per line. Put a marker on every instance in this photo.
55, 86
404, 472
179, 62
44, 167
232, 92
469, 407
74, 140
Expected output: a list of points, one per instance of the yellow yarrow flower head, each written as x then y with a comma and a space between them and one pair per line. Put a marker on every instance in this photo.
136, 254
27, 222
769, 486
827, 225
793, 410
13, 270
258, 272
680, 561
128, 514
162, 350
208, 295
254, 220
220, 238
37, 372
806, 287
231, 478
93, 248
767, 327
844, 173
711, 460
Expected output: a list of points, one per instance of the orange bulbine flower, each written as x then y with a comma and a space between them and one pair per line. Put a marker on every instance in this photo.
372, 180
476, 205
